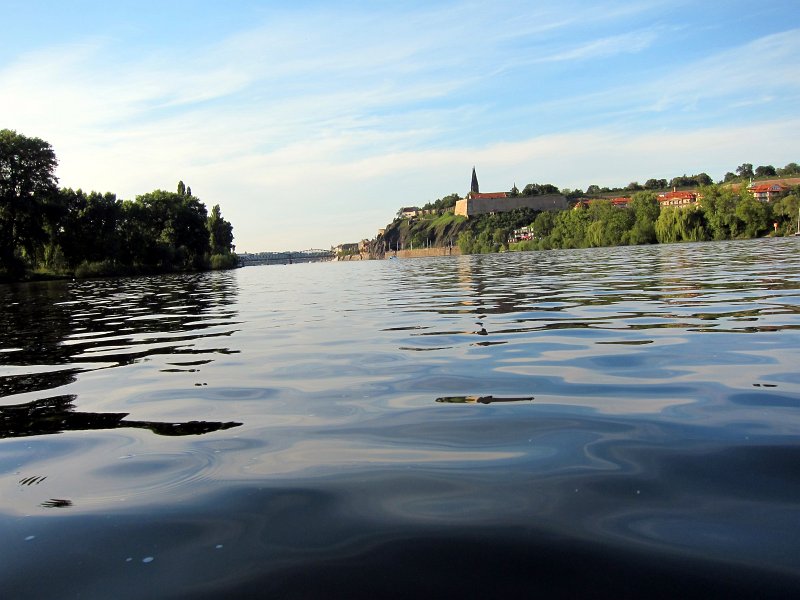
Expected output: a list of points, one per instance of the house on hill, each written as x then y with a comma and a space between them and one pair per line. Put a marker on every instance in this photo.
409, 212
483, 203
768, 192
674, 198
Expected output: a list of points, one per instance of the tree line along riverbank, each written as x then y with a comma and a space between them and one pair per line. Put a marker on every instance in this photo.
47, 231
723, 212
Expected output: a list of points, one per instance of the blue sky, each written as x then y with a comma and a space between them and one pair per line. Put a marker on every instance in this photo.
311, 123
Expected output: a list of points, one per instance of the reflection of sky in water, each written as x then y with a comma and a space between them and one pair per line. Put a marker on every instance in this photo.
663, 426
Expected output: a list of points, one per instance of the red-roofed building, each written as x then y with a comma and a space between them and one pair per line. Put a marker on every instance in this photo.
768, 192
677, 198
487, 195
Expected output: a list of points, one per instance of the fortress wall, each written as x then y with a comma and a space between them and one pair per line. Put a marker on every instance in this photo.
470, 207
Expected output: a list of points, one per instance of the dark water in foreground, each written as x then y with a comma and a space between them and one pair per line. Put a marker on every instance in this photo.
275, 431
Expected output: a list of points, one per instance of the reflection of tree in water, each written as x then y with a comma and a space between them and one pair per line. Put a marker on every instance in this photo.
57, 414
109, 321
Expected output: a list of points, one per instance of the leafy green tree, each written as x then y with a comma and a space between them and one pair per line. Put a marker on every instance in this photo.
539, 189
175, 227
703, 179
466, 242
91, 229
680, 224
655, 184
645, 206
785, 211
719, 209
220, 231
691, 180
646, 210
745, 170
609, 224
28, 197
543, 224
569, 229
592, 190
765, 171
484, 243
753, 215
791, 169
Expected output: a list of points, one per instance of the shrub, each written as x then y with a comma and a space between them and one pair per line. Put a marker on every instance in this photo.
224, 261
96, 269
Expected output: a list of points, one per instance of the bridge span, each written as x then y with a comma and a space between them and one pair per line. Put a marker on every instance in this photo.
288, 257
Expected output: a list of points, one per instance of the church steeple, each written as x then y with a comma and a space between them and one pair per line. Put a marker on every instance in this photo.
474, 187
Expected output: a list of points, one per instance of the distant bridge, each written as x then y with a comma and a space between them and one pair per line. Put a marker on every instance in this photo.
285, 258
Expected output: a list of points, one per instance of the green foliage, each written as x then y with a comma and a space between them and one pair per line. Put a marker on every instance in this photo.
220, 231
656, 184
609, 226
680, 224
692, 181
765, 171
466, 242
47, 230
645, 209
28, 199
102, 268
543, 224
176, 225
223, 261
719, 210
722, 213
569, 229
434, 230
753, 215
791, 169
539, 189
442, 204
91, 227
786, 213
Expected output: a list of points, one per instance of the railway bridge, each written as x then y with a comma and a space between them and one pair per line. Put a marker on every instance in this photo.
288, 257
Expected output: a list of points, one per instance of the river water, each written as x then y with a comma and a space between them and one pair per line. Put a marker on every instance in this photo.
557, 424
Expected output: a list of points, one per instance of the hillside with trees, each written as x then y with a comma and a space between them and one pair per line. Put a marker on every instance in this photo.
50, 231
727, 210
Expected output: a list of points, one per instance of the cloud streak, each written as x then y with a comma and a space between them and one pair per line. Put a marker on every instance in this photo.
310, 117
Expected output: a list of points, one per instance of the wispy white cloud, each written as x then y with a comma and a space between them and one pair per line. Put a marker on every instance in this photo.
626, 43
341, 116
740, 72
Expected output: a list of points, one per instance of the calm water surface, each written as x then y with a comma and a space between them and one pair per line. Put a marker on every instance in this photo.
608, 421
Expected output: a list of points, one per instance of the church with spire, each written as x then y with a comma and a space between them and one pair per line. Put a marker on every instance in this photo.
475, 190
481, 203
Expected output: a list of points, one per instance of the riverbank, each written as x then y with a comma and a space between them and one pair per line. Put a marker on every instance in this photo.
418, 253
425, 252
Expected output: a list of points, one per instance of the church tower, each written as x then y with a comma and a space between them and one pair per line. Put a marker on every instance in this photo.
474, 187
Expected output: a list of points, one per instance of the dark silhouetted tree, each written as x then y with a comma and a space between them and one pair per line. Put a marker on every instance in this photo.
28, 198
